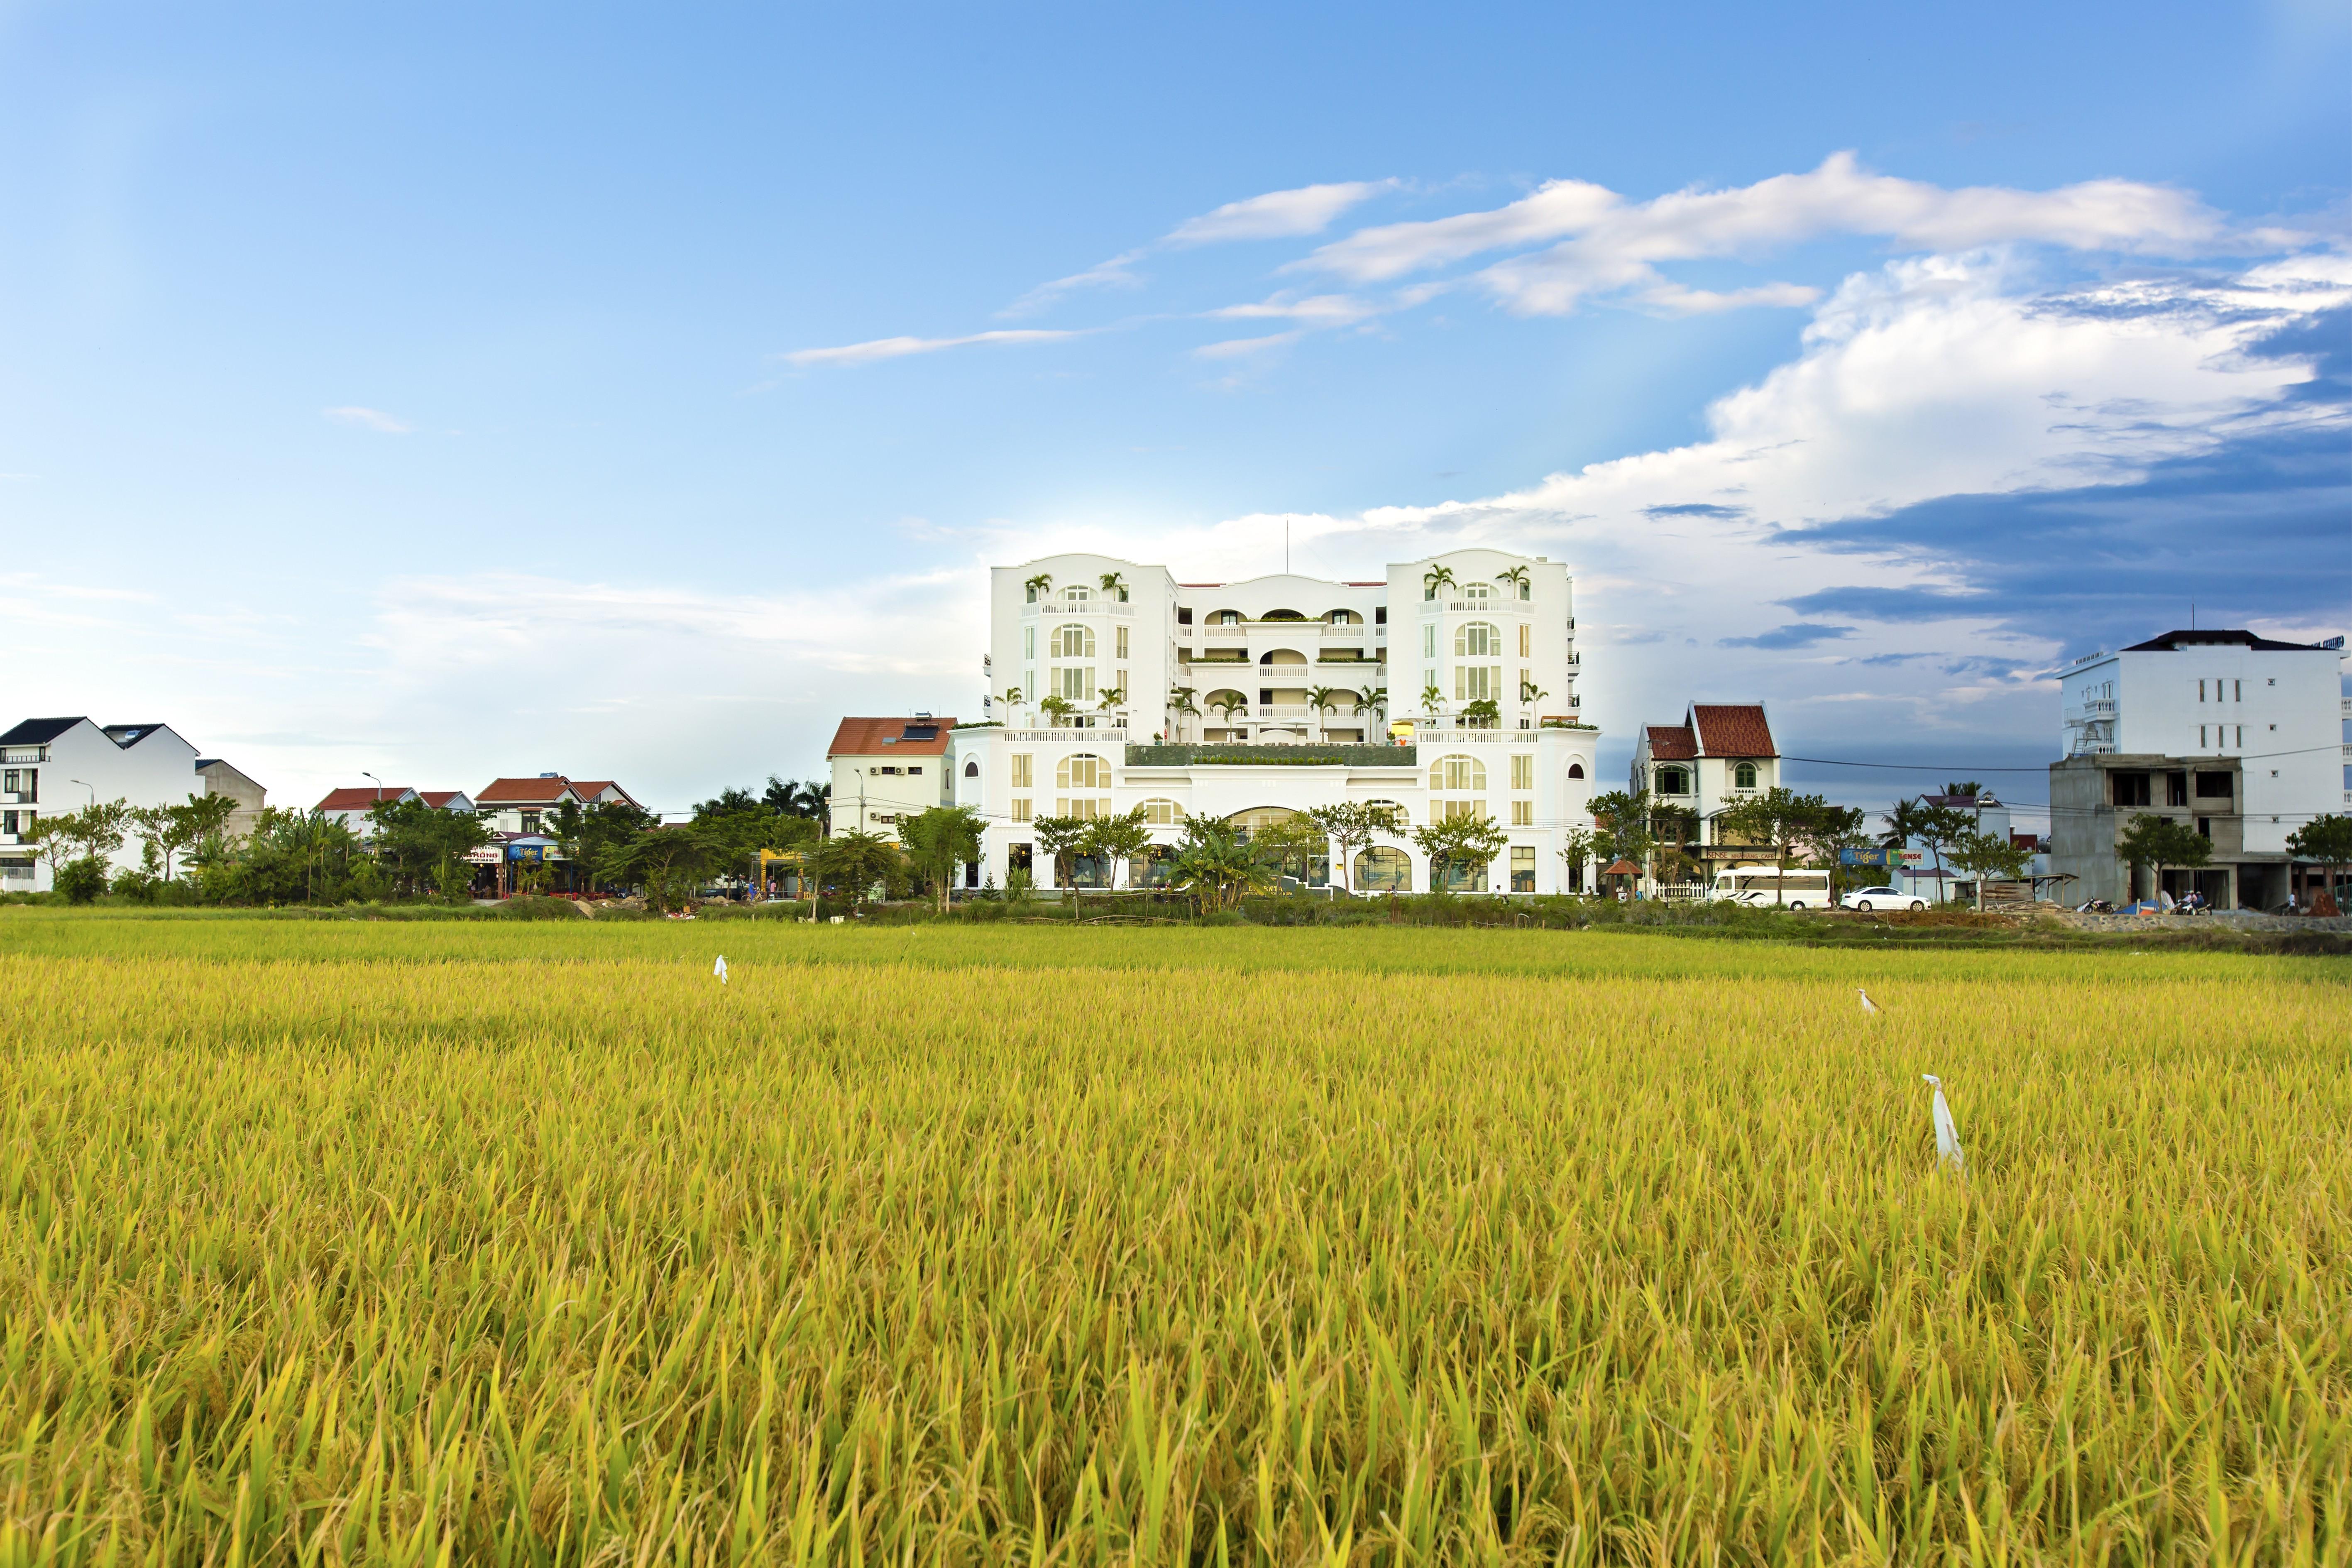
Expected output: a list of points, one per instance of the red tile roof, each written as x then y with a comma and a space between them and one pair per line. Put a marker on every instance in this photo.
867, 738
360, 797
1732, 730
592, 791
522, 792
1671, 743
439, 799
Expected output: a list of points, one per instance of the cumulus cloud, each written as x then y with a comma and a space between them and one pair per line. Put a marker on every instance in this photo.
899, 347
375, 419
1607, 245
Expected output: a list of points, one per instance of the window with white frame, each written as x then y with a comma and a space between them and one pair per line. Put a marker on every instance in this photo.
1023, 766
1082, 772
1476, 682
1429, 641
1158, 813
1449, 810
1674, 780
1072, 641
1523, 769
1477, 592
1021, 808
1029, 642
1390, 812
1527, 640
1477, 640
1523, 814
1074, 683
1457, 773
1122, 642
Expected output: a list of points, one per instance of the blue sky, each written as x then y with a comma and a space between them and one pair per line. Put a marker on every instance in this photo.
445, 395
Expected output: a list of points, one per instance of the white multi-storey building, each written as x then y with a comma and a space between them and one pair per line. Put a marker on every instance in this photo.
1445, 687
2240, 736
50, 766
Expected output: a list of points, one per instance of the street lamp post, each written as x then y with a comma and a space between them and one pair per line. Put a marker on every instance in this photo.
93, 791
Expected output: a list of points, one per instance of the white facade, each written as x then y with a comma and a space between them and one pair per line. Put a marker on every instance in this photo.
885, 769
2274, 709
1183, 698
51, 767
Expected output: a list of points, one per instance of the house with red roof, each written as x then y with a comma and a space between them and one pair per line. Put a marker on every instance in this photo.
1720, 754
521, 805
351, 803
884, 769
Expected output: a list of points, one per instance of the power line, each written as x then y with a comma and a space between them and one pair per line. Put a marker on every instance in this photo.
1978, 768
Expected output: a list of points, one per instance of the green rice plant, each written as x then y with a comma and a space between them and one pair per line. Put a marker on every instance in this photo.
529, 1244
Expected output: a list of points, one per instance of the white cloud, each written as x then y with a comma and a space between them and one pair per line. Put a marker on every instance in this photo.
1277, 215
899, 347
1315, 310
1608, 245
1242, 348
375, 419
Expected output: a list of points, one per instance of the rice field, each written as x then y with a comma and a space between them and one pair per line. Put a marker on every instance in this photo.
340, 1242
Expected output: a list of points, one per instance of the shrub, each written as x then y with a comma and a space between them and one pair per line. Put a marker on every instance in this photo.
82, 880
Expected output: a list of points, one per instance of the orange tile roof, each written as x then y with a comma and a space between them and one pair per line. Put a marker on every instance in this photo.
867, 738
439, 799
592, 790
1732, 730
359, 797
1671, 743
522, 792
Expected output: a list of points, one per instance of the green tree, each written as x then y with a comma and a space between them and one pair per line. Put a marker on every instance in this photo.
82, 880
1983, 854
1780, 818
1433, 579
1323, 699
1059, 837
1215, 867
1836, 828
1432, 699
1577, 846
1674, 830
204, 819
1181, 703
1467, 841
858, 862
1350, 825
422, 848
1291, 845
1481, 713
1516, 577
2156, 842
1376, 701
1229, 704
586, 835
1116, 841
2327, 840
668, 862
1937, 827
1622, 817
941, 840
101, 827
1039, 586
1114, 585
53, 841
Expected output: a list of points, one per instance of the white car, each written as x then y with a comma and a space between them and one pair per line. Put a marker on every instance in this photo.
1869, 899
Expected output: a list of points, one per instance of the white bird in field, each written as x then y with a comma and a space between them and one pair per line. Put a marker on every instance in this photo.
720, 969
1947, 1135
1867, 1004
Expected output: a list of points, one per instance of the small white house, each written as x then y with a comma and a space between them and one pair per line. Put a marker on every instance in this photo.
884, 769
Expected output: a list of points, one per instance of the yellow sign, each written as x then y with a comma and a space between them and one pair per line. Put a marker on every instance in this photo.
1402, 729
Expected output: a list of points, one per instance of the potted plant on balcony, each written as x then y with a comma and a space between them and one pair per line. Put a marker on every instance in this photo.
1114, 586
1481, 714
1039, 586
1516, 577
1112, 698
1435, 578
1055, 709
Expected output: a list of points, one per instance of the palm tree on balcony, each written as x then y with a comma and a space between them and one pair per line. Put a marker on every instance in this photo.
1057, 709
1484, 713
1229, 704
1376, 701
1323, 699
1181, 703
1111, 697
1530, 693
1011, 696
1039, 586
1516, 577
1114, 585
1430, 699
1435, 578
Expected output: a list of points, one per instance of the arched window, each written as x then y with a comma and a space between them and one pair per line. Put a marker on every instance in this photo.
1477, 640
1744, 776
1576, 770
1396, 814
1343, 617
1477, 592
1161, 813
1071, 642
1674, 780
1082, 772
1457, 772
1259, 816
1225, 618
971, 769
1381, 869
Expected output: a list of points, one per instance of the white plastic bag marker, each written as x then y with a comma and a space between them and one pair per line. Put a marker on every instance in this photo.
1947, 1136
720, 969
1867, 1004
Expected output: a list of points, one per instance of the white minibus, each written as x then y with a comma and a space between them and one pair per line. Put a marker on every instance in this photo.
1764, 886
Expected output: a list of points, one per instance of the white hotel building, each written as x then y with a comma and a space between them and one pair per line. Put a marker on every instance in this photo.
1447, 687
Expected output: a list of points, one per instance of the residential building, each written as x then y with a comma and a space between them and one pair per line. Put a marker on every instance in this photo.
351, 803
884, 769
1721, 754
49, 766
520, 806
2240, 736
1446, 686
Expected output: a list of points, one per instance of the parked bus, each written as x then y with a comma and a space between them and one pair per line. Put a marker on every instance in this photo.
1763, 886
